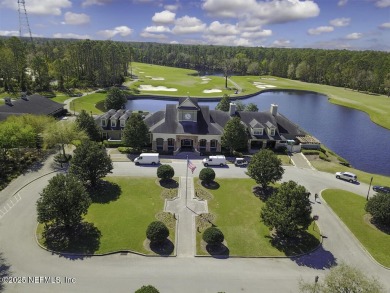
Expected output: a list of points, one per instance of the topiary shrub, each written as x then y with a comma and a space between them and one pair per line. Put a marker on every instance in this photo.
379, 208
165, 172
157, 232
213, 236
147, 289
207, 175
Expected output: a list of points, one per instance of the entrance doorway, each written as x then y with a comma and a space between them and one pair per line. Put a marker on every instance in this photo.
187, 144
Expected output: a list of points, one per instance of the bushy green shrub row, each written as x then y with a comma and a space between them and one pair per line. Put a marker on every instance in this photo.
113, 144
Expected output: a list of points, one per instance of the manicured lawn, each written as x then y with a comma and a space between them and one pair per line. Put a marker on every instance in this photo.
88, 103
350, 208
376, 106
123, 222
237, 213
123, 214
186, 81
60, 98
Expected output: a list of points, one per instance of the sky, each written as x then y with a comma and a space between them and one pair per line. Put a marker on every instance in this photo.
325, 24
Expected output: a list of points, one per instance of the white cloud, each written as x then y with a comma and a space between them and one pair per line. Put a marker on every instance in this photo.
123, 31
9, 33
172, 7
40, 7
164, 17
157, 29
281, 43
382, 3
188, 25
76, 19
227, 41
354, 36
149, 35
342, 2
95, 2
217, 28
257, 34
385, 25
320, 30
71, 36
273, 11
340, 21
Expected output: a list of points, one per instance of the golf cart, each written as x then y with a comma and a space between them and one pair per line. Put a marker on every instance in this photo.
240, 162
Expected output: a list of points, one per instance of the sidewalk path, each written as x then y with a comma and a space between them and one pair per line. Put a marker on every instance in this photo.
186, 207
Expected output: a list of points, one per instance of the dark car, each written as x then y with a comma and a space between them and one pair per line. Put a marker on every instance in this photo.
383, 189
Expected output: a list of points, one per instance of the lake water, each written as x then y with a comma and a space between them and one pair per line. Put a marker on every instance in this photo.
348, 132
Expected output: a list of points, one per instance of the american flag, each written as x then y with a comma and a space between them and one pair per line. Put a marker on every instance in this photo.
191, 166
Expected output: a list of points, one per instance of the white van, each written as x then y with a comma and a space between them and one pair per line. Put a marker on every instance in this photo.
147, 158
214, 161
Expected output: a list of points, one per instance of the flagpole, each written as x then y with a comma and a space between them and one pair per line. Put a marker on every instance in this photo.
186, 179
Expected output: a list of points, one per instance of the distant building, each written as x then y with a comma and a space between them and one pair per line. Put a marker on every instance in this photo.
34, 104
188, 125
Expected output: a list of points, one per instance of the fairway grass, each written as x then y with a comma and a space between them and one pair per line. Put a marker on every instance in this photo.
88, 103
186, 81
237, 212
123, 216
349, 207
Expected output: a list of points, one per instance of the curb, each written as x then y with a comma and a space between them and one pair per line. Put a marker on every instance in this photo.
353, 235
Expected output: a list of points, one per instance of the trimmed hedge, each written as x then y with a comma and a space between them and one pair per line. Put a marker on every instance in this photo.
213, 236
157, 231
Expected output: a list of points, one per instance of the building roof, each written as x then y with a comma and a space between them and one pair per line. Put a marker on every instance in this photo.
211, 122
34, 104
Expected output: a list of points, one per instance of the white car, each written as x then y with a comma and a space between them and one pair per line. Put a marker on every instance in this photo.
348, 176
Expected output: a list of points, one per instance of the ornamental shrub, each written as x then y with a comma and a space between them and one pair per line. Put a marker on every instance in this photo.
157, 231
165, 172
147, 289
207, 175
379, 208
213, 236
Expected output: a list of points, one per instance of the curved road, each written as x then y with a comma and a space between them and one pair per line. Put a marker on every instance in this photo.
126, 273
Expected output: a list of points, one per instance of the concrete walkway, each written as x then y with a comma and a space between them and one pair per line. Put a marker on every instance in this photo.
299, 160
186, 207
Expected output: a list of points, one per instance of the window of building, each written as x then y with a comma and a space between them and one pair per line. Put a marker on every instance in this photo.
123, 122
272, 131
113, 123
213, 143
258, 131
104, 122
171, 142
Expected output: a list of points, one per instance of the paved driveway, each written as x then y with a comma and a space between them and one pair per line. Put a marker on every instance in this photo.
126, 273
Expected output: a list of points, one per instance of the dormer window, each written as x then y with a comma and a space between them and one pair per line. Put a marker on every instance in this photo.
123, 122
104, 122
113, 123
272, 132
258, 131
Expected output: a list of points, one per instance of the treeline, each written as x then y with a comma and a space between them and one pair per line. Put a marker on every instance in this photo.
61, 64
358, 70
64, 64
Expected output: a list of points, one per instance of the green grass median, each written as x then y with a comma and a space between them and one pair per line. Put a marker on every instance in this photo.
121, 214
349, 207
237, 215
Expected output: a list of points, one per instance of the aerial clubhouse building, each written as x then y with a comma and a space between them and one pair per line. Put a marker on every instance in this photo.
188, 125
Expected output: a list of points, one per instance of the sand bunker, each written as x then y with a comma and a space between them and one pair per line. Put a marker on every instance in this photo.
204, 82
148, 87
261, 85
205, 78
158, 78
212, 91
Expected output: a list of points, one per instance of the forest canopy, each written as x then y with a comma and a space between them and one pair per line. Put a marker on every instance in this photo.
65, 64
